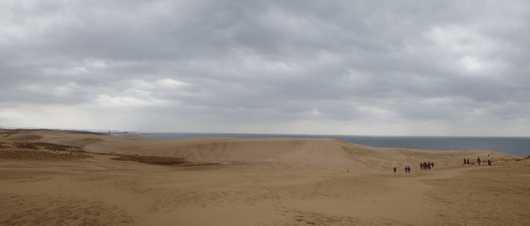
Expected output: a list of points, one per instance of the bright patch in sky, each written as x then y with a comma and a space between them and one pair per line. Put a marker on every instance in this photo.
471, 63
460, 40
109, 101
170, 83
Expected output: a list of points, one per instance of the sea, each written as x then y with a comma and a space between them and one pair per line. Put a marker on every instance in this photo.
519, 146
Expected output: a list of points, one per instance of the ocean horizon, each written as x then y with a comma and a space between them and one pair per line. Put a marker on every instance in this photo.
519, 146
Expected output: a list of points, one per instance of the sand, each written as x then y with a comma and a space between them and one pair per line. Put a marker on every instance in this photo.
65, 178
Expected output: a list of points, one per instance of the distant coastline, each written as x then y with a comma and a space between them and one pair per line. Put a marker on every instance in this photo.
519, 146
37, 130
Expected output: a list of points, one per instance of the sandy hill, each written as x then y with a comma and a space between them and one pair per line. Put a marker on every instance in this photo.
292, 152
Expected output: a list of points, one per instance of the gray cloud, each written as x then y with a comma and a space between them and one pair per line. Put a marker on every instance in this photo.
461, 64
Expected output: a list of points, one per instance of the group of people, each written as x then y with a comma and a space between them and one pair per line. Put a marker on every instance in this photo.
426, 165
430, 165
407, 169
466, 161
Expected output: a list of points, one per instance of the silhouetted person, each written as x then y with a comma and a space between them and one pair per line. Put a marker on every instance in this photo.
464, 161
429, 165
468, 161
424, 165
432, 164
395, 169
421, 165
408, 169
489, 161
478, 161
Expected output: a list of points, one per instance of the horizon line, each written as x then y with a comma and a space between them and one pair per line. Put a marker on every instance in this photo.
291, 134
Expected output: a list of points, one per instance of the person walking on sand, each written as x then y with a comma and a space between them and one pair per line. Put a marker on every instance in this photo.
464, 162
432, 165
468, 161
395, 169
489, 161
421, 165
478, 161
408, 169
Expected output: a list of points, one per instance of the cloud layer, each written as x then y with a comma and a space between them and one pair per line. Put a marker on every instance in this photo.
339, 67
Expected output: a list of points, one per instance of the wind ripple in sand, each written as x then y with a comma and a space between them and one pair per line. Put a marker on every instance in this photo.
48, 210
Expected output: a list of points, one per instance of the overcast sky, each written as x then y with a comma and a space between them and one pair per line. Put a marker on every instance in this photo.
443, 68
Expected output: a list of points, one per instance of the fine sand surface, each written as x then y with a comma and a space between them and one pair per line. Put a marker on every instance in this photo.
65, 178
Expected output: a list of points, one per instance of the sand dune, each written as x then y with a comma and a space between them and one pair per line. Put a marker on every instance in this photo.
272, 181
321, 152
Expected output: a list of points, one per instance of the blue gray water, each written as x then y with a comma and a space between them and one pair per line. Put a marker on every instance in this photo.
519, 146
